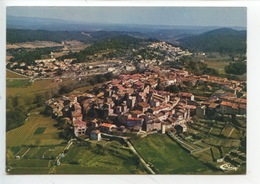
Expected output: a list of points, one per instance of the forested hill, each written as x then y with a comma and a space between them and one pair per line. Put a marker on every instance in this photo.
110, 47
26, 35
223, 40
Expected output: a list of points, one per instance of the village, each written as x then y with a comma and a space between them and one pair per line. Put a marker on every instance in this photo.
53, 67
131, 104
148, 96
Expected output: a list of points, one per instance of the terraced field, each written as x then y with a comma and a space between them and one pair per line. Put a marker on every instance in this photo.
168, 157
110, 159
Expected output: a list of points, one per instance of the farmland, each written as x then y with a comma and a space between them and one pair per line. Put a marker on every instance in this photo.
11, 74
168, 157
17, 83
33, 160
39, 86
24, 135
105, 157
32, 147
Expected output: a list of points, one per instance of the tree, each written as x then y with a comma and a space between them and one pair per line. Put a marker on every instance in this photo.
236, 68
173, 89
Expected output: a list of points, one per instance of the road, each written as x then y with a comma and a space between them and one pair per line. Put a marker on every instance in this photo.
146, 165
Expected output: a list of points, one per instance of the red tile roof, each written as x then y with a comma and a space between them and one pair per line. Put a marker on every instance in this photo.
107, 125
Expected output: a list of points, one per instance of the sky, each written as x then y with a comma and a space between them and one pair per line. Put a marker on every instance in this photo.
177, 16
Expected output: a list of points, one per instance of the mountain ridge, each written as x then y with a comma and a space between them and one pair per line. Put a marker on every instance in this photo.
223, 40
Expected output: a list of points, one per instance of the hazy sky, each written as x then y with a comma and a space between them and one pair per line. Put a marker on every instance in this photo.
190, 16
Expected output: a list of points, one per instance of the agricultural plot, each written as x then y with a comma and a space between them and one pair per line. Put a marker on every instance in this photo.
227, 131
17, 83
15, 150
98, 160
24, 135
32, 163
28, 166
167, 156
53, 152
28, 170
235, 143
32, 160
235, 134
204, 156
215, 131
38, 86
216, 152
201, 144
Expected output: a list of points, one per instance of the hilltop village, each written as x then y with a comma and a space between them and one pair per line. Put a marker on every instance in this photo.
132, 103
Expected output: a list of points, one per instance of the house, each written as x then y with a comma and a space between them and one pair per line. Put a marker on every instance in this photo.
186, 96
106, 127
80, 127
228, 108
165, 126
136, 113
143, 106
242, 109
131, 122
76, 115
151, 123
95, 135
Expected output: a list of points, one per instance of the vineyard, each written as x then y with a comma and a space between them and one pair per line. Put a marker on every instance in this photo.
24, 135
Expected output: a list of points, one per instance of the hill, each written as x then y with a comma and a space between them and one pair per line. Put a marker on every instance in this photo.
27, 35
223, 40
108, 48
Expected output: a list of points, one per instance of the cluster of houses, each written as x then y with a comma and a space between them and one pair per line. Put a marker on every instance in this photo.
42, 68
132, 103
51, 67
170, 50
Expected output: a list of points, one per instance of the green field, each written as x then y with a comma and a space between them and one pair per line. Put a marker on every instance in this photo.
168, 157
40, 130
99, 160
17, 83
33, 163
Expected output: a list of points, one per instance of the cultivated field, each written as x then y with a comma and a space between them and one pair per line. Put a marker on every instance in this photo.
25, 135
17, 83
39, 86
103, 157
